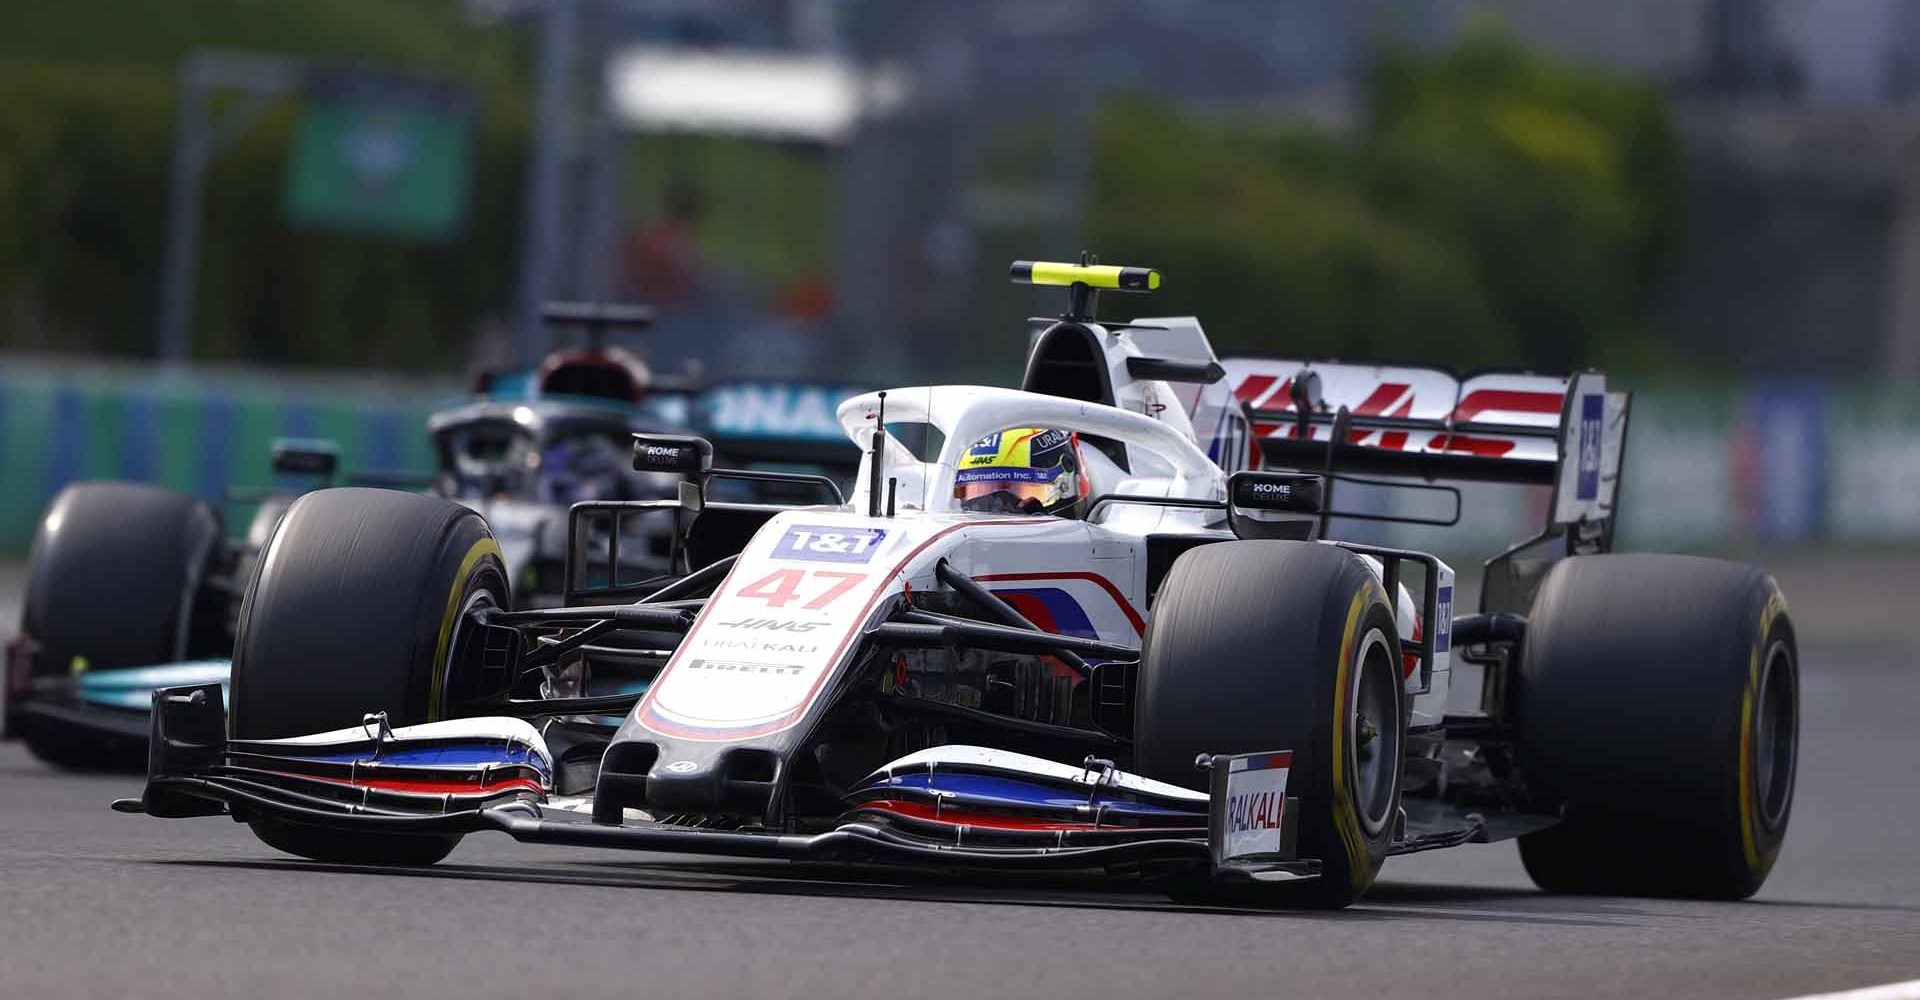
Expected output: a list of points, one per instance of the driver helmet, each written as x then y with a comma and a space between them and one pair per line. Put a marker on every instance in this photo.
1026, 470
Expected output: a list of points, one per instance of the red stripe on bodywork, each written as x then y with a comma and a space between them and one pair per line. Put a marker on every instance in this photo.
1260, 392
1037, 612
1033, 608
1251, 389
429, 787
987, 821
1411, 661
1483, 447
1133, 617
1397, 440
1507, 400
1376, 404
1383, 395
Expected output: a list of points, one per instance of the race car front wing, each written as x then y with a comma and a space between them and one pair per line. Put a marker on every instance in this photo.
948, 806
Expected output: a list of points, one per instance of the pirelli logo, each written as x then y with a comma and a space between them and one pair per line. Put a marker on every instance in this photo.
738, 667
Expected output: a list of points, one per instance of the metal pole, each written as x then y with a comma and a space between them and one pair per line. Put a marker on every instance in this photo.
600, 231
541, 218
198, 137
180, 268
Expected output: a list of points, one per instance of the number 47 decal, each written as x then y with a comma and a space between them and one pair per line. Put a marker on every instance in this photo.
782, 587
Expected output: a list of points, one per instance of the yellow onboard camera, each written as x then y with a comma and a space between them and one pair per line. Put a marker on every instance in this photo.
1107, 276
1084, 281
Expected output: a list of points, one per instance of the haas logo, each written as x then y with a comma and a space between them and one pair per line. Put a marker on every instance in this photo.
773, 625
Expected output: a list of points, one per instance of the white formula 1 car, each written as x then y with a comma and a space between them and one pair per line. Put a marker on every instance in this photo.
1158, 666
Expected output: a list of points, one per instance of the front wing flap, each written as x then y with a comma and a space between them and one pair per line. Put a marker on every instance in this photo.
959, 806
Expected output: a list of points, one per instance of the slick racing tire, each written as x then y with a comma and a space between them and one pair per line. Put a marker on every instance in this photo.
355, 607
118, 578
1281, 645
1658, 705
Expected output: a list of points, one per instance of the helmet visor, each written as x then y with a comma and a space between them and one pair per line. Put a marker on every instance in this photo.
1004, 490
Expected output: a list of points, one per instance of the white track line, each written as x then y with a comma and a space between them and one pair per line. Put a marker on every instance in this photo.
1909, 990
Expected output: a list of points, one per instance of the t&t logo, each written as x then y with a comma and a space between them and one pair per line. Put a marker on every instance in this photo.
818, 543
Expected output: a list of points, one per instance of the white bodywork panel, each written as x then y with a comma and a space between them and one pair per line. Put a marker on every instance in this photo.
1024, 764
812, 580
481, 728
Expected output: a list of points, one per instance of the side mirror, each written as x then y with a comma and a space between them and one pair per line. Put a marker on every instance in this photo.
305, 457
681, 455
1274, 504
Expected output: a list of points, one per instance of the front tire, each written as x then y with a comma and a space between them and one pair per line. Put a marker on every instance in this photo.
118, 578
1281, 645
355, 607
1658, 704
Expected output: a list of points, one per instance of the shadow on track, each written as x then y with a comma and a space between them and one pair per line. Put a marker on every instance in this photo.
855, 881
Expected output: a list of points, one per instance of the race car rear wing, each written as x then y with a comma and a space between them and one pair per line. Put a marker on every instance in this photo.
1429, 423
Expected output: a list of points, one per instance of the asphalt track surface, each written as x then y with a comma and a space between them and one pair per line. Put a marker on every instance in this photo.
96, 904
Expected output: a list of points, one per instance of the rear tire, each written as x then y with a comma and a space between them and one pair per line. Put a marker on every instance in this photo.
355, 607
1281, 645
116, 579
1658, 700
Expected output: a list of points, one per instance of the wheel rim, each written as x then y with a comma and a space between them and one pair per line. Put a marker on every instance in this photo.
480, 597
1776, 736
1373, 732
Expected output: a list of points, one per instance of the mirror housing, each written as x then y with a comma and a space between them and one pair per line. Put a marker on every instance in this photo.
1288, 504
306, 457
672, 453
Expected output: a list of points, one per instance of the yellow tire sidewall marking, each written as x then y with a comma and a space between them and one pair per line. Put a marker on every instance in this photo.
1749, 817
480, 550
1345, 820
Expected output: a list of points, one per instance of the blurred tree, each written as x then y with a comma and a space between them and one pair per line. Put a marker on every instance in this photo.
1561, 185
1495, 208
1273, 241
85, 140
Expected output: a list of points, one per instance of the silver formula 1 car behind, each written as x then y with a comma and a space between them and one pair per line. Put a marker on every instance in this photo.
133, 587
1165, 670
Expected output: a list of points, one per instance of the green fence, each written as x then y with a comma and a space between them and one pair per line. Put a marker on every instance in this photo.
199, 432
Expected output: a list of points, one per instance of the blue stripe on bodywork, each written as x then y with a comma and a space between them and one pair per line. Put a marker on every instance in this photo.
1014, 793
1069, 618
448, 755
469, 754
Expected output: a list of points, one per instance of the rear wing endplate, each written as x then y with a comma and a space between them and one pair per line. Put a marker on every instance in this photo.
1593, 435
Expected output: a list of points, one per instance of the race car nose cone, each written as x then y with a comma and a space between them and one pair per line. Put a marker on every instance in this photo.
672, 776
686, 784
